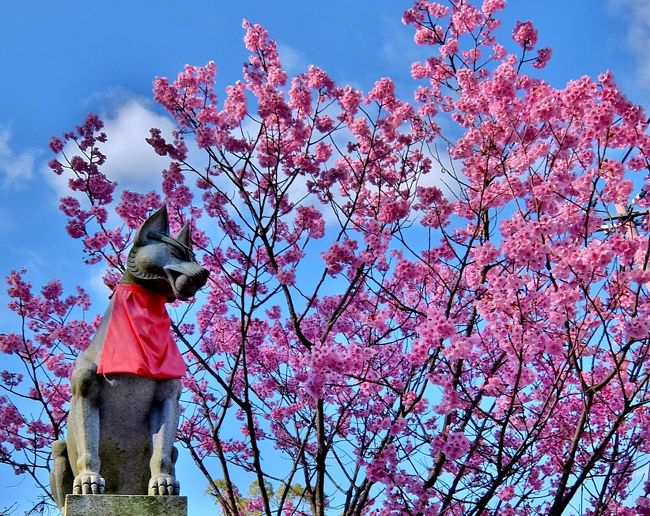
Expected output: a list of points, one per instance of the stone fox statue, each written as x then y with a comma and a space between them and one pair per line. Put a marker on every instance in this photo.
126, 385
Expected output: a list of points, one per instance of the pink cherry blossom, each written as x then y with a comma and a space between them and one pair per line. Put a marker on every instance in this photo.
525, 34
445, 349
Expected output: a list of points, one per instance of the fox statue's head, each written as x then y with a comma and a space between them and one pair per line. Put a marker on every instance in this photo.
164, 263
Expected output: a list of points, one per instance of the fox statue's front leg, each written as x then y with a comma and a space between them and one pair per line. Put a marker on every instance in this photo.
84, 417
164, 422
83, 430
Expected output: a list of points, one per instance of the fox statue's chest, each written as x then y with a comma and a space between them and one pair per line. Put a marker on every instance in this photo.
138, 336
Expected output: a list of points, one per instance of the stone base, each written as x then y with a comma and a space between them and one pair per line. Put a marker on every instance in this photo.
124, 505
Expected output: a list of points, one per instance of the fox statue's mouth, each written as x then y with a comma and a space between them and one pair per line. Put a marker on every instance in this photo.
185, 279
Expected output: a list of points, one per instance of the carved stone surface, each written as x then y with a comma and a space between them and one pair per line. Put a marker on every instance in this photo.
125, 505
122, 422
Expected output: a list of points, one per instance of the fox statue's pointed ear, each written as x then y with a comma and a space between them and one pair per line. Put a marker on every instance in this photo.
184, 236
156, 222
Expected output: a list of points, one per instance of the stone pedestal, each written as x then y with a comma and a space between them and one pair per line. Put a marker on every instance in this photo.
124, 505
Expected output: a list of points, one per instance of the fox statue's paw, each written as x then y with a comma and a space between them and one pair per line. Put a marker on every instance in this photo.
88, 482
164, 485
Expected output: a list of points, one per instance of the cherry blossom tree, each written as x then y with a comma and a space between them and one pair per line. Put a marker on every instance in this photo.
426, 306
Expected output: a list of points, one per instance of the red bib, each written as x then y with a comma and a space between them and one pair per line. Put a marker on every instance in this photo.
138, 338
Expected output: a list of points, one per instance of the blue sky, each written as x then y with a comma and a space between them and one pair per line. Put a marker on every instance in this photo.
63, 59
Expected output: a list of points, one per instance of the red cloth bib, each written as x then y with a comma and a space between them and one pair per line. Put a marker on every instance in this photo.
138, 338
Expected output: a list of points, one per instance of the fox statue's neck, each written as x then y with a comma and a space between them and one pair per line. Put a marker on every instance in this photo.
160, 287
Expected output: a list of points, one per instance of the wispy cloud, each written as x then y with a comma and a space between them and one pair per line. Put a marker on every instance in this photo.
15, 167
399, 50
636, 14
96, 286
293, 61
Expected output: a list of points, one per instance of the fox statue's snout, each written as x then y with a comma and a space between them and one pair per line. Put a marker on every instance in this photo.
125, 387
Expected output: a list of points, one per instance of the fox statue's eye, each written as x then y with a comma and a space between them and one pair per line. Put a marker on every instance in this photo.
178, 250
177, 253
182, 253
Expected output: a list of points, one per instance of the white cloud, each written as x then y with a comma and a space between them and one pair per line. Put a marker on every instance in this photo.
636, 14
131, 161
15, 168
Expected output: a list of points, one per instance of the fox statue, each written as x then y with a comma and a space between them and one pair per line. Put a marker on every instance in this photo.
125, 387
